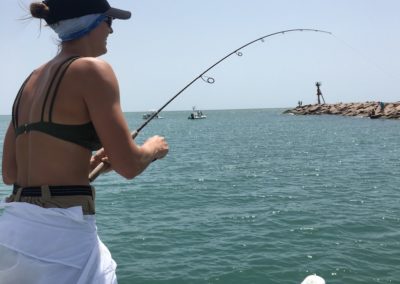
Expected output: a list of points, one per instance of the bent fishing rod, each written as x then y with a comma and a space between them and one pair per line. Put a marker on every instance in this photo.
101, 167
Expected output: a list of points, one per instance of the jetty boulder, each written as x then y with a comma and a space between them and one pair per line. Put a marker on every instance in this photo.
366, 109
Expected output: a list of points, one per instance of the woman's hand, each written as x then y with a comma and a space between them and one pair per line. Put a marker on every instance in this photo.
98, 158
157, 146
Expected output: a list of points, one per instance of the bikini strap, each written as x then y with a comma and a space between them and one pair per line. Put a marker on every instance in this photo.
54, 87
15, 106
57, 86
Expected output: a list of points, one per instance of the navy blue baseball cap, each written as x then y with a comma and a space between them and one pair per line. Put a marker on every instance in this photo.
68, 9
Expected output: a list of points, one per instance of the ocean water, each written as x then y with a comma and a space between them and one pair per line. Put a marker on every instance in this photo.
255, 196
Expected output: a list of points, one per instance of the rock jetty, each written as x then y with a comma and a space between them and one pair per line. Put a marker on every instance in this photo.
367, 109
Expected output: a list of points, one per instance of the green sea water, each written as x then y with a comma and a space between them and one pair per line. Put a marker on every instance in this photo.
255, 196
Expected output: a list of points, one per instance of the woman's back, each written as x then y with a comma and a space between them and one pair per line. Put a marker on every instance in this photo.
43, 158
66, 109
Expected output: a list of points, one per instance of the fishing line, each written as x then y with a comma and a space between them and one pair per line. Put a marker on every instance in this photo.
103, 166
365, 58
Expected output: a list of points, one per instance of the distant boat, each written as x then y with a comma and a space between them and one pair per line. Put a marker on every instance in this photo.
150, 114
197, 114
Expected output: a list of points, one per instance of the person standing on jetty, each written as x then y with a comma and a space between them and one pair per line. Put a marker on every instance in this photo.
319, 93
381, 106
65, 109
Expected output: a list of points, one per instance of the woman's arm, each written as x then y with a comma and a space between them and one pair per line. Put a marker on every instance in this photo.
9, 163
102, 99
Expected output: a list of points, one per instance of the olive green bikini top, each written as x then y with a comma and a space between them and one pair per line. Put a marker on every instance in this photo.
82, 134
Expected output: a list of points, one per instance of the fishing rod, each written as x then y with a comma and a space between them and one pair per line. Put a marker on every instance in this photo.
103, 166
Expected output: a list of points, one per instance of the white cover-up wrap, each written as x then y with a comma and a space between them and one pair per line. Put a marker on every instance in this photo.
51, 245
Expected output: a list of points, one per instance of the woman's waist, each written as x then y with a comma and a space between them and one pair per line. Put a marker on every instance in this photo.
54, 190
56, 196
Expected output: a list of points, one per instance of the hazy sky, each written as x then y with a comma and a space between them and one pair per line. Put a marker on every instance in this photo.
168, 43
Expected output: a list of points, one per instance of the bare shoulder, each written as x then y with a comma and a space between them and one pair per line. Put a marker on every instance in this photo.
94, 76
92, 66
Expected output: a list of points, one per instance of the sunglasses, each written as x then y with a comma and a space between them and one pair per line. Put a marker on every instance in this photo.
109, 20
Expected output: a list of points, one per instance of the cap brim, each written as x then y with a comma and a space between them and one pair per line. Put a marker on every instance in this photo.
118, 14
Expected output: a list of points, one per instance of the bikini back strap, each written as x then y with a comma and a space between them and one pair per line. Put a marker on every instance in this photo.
55, 81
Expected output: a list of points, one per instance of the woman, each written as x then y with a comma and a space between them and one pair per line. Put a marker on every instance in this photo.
65, 109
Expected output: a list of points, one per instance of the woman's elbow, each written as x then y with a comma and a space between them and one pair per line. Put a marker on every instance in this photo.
9, 174
7, 180
129, 173
130, 170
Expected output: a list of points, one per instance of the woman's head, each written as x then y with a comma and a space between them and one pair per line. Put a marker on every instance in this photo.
72, 19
